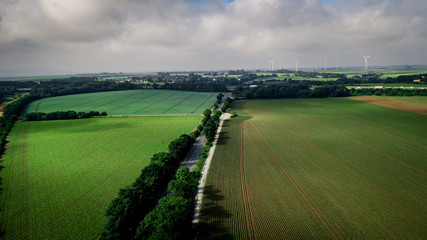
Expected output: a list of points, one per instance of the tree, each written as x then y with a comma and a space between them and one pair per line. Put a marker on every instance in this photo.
207, 112
169, 220
185, 184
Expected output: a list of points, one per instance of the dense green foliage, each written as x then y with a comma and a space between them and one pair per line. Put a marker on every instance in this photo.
376, 78
171, 218
65, 173
41, 116
211, 125
329, 168
77, 86
10, 88
291, 90
9, 117
199, 85
226, 105
135, 201
388, 92
131, 102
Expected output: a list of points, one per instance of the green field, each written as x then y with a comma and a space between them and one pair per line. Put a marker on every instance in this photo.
59, 176
389, 85
386, 73
317, 169
131, 102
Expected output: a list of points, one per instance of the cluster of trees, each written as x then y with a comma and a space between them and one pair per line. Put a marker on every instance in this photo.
388, 92
135, 201
61, 115
210, 124
10, 88
65, 87
218, 100
323, 74
199, 85
375, 78
226, 105
291, 90
10, 115
171, 218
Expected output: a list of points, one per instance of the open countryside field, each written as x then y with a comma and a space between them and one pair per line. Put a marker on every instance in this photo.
59, 176
390, 85
416, 105
131, 102
317, 169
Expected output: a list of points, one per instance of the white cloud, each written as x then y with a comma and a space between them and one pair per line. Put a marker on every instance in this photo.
132, 35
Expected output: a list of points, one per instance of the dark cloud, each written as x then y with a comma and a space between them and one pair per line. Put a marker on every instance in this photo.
152, 35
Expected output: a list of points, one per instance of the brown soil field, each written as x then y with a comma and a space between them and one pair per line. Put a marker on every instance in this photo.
394, 103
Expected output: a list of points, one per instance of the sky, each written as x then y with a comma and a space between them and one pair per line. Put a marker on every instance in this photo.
43, 37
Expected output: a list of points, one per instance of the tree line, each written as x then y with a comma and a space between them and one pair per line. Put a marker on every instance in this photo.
199, 85
300, 90
63, 87
139, 212
387, 92
172, 217
135, 201
61, 115
10, 115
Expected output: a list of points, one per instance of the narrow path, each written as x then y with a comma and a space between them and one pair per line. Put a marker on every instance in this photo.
205, 170
193, 155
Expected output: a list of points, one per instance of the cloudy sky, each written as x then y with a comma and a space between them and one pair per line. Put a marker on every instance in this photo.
56, 36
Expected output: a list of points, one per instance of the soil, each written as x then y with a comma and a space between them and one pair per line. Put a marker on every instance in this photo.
394, 103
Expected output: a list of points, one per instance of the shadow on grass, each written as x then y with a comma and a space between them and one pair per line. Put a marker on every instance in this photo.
212, 216
224, 137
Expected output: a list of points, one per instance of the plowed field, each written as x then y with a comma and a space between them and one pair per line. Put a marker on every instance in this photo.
317, 169
410, 104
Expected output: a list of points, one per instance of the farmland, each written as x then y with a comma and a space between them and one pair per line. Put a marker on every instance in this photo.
131, 102
59, 176
317, 169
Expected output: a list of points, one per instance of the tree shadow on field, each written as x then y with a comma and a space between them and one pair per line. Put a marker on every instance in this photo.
212, 215
223, 138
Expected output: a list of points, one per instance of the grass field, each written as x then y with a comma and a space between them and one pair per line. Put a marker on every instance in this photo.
317, 169
131, 102
58, 177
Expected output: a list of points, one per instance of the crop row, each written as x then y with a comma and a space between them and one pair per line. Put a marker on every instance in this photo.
328, 169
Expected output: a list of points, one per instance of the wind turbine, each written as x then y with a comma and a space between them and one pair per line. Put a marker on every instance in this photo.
296, 65
325, 62
337, 63
272, 64
366, 61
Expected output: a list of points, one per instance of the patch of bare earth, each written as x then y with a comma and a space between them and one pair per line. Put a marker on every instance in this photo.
394, 103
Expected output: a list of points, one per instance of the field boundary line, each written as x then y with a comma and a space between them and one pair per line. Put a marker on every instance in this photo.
298, 187
203, 176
